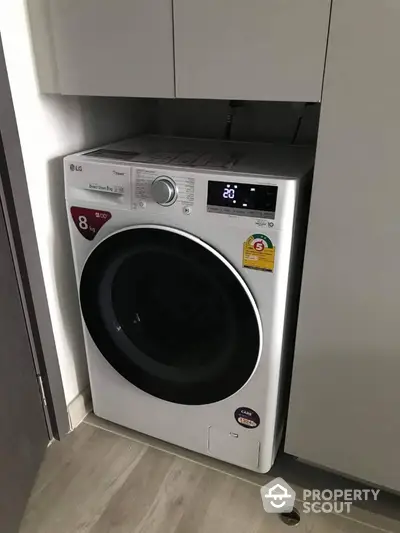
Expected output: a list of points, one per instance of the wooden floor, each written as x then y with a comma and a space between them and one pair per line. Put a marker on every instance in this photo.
99, 482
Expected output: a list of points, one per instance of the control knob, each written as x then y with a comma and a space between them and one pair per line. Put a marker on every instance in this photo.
164, 191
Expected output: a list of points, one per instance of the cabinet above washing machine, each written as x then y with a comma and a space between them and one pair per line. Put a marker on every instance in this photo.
113, 48
217, 49
257, 50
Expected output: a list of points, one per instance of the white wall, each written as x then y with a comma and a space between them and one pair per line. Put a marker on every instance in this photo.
49, 128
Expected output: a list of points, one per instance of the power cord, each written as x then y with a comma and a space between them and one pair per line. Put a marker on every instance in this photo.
300, 121
233, 105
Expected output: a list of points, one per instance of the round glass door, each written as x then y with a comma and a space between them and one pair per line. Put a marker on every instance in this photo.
170, 315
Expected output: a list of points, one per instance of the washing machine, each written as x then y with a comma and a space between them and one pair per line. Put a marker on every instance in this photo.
185, 254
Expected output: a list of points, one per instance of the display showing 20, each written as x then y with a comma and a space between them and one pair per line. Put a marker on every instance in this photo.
229, 193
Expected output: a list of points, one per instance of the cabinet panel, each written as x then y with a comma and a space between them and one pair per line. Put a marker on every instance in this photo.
254, 50
344, 405
114, 48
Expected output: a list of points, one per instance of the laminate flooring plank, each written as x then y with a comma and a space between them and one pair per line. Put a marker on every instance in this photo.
195, 516
75, 499
136, 496
98, 482
223, 504
59, 454
167, 494
173, 496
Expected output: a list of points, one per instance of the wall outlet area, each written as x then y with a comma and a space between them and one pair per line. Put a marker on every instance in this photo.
238, 120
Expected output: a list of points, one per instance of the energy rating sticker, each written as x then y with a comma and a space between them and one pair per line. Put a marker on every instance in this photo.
259, 253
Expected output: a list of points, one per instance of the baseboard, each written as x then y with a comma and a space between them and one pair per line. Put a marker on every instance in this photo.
79, 408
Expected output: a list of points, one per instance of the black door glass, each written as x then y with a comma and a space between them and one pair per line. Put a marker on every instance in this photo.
169, 316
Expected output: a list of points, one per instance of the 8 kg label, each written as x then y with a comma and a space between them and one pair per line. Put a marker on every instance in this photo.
89, 221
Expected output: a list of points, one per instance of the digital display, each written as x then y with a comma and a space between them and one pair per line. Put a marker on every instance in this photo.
242, 199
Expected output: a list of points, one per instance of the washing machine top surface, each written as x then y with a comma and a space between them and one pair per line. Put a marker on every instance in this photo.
280, 161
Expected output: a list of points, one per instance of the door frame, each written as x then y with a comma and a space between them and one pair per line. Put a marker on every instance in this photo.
14, 196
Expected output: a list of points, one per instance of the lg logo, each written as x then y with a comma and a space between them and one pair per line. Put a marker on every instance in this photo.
77, 168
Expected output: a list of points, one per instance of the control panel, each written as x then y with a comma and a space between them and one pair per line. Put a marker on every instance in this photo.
252, 199
152, 185
135, 187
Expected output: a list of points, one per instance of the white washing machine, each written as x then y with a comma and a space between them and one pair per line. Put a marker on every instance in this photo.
183, 253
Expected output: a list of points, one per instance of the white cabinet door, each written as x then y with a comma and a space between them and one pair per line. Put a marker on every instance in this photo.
114, 47
250, 50
345, 397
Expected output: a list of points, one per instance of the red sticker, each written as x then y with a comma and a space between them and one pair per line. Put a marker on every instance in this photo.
89, 221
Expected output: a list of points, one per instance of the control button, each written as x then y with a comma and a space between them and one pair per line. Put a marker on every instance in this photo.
142, 204
187, 210
163, 191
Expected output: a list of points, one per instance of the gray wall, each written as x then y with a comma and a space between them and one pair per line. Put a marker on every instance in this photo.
345, 394
254, 121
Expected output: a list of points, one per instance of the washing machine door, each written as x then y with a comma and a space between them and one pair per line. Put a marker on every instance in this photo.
171, 315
